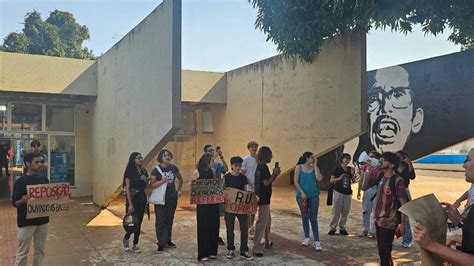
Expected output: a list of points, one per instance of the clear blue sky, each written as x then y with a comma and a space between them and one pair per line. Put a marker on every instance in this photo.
218, 35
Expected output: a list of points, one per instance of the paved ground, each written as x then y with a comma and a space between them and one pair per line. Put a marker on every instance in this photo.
88, 235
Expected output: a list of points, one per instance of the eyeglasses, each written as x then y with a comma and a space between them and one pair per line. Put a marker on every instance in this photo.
382, 160
398, 98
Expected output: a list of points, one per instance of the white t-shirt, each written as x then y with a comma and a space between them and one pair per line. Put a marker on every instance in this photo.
470, 196
250, 165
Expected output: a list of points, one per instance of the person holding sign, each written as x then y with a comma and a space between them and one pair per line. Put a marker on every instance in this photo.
466, 221
234, 179
135, 179
307, 176
207, 215
263, 188
166, 173
30, 229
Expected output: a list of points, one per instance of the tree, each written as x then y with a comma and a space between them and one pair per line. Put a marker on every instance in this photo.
59, 35
298, 27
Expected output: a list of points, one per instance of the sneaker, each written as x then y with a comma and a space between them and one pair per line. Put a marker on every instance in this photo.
126, 247
203, 259
171, 245
221, 241
230, 254
136, 249
161, 248
343, 232
259, 254
332, 232
372, 236
317, 246
212, 257
305, 242
246, 255
362, 234
406, 245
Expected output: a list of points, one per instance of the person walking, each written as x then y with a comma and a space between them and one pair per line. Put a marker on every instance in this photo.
342, 178
166, 172
263, 181
307, 176
207, 215
135, 179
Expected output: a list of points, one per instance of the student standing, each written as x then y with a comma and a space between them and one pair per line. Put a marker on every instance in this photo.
207, 215
263, 181
249, 166
135, 179
35, 229
407, 172
307, 176
234, 179
342, 178
164, 214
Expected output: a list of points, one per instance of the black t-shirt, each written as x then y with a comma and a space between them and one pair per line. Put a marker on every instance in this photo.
19, 190
237, 182
170, 173
344, 185
468, 232
264, 192
407, 175
138, 179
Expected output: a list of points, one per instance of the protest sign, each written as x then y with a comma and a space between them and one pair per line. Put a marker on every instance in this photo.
47, 200
240, 202
207, 191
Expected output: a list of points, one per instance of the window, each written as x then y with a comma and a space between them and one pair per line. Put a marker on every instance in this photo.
3, 116
207, 122
60, 118
26, 117
62, 161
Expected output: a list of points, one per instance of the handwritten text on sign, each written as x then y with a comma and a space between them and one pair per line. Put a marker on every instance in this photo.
46, 200
240, 202
207, 191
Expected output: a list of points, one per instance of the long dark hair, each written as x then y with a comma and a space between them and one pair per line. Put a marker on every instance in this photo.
304, 157
204, 162
130, 166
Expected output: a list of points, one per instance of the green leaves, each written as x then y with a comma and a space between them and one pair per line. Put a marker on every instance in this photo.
298, 27
59, 35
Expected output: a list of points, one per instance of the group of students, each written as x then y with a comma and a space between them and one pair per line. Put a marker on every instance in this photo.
385, 185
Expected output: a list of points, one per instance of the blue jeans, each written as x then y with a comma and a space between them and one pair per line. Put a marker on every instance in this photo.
407, 237
310, 216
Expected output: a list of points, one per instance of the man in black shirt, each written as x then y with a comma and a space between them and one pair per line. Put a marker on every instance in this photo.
28, 229
234, 179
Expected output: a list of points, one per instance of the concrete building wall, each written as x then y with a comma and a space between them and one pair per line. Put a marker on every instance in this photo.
294, 107
138, 105
84, 160
44, 74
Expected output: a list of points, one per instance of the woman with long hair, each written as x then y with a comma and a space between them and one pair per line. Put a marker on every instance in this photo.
135, 179
166, 173
263, 188
307, 176
207, 215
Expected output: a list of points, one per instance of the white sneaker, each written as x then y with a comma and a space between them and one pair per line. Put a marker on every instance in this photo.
317, 246
406, 245
136, 249
305, 242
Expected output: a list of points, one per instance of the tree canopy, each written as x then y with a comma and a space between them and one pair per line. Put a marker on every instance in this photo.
58, 35
298, 27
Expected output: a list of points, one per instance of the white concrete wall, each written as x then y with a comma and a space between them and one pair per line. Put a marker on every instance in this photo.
83, 170
138, 104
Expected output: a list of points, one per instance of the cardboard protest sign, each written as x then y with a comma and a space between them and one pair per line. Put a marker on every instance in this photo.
240, 202
207, 191
47, 200
429, 213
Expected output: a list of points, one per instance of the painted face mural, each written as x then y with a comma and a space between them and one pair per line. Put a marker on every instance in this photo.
392, 116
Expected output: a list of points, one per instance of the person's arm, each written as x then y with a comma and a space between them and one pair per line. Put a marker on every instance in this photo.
353, 175
402, 198
422, 236
129, 194
317, 172
334, 179
463, 197
244, 168
154, 182
276, 172
180, 182
359, 187
297, 181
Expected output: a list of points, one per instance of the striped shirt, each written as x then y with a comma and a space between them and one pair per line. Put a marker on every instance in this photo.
385, 213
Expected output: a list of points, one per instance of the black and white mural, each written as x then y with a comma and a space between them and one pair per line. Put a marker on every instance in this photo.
421, 107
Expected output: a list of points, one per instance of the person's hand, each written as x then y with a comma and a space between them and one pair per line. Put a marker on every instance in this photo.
276, 171
457, 204
452, 212
24, 199
179, 194
130, 208
421, 235
358, 195
303, 196
403, 228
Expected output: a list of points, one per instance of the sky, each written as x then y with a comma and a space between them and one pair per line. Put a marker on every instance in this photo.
217, 35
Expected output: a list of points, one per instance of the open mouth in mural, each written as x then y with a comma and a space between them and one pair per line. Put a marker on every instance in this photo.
385, 130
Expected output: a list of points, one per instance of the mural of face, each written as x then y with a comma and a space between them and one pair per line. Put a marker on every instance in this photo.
392, 117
